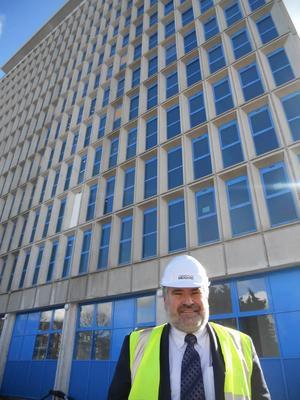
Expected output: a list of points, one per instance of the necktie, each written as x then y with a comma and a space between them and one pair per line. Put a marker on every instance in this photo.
192, 387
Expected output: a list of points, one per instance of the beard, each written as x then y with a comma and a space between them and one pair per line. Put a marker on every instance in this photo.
188, 322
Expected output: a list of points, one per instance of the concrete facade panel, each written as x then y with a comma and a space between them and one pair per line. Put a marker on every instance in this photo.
43, 295
3, 302
119, 281
28, 299
97, 284
213, 259
59, 292
14, 301
145, 275
77, 289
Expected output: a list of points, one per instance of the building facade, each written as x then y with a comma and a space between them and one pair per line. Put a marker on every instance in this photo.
131, 132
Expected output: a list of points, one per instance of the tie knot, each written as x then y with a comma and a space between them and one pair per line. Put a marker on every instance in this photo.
190, 339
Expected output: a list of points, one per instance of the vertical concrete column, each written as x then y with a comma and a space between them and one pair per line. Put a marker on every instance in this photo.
7, 330
64, 363
161, 317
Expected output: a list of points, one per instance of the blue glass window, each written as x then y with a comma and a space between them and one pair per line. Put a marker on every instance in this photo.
137, 51
2, 272
153, 40
131, 143
187, 16
116, 29
134, 107
106, 97
109, 195
52, 262
83, 56
104, 246
172, 84
120, 88
21, 203
240, 206
149, 233
173, 121
175, 172
139, 29
11, 237
152, 96
207, 219
102, 124
24, 270
94, 48
292, 113
104, 39
80, 113
113, 49
97, 161
88, 133
263, 131
37, 266
197, 109
43, 190
251, 82
171, 54
169, 6
128, 193
216, 58
193, 72
74, 144
85, 250
152, 2
113, 153
117, 117
152, 66
281, 67
190, 41
55, 183
136, 74
140, 10
201, 156
254, 4
123, 61
176, 222
129, 4
118, 13
153, 18
210, 27
151, 133
240, 43
68, 257
231, 146
12, 274
125, 40
22, 233
82, 169
47, 222
205, 5
232, 13
125, 240
68, 176
222, 96
150, 188
85, 89
92, 203
267, 29
109, 71
90, 67
169, 28
93, 106
60, 216
4, 231
36, 219
101, 56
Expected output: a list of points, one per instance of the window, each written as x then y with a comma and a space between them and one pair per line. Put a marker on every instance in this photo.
120, 88
125, 39
97, 161
134, 107
47, 222
93, 106
139, 29
254, 4
113, 153
240, 206
137, 51
36, 219
251, 82
201, 156
106, 96
116, 30
21, 202
280, 66
127, 20
173, 121
62, 150
109, 195
68, 257
51, 157
31, 197
197, 109
23, 231
60, 216
104, 41
52, 262
85, 89
12, 236
205, 5
149, 233
101, 56
263, 131
97, 30
152, 66
125, 240
232, 13
278, 194
175, 172
102, 124
129, 4
172, 84
117, 117
11, 207
56, 133
193, 72
78, 79
292, 113
3, 237
136, 74
118, 13
190, 41
140, 10
85, 250
90, 67
267, 29
68, 176
153, 18
113, 49
123, 61
216, 58
82, 169
151, 133
24, 270
222, 96
171, 54
169, 28
104, 246
83, 56
207, 219
187, 16
128, 193
231, 147
131, 143
152, 96
150, 188
55, 183
176, 223
2, 272
152, 2
80, 113
97, 80
169, 6
153, 40
110, 6
12, 274
74, 144
94, 49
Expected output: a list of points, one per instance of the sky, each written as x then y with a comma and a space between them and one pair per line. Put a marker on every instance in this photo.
20, 19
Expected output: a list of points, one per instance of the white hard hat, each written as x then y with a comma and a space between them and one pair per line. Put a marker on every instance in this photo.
184, 272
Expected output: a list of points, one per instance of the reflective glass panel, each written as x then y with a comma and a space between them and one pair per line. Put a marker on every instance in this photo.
252, 295
40, 347
58, 319
101, 345
86, 316
45, 321
228, 322
145, 309
54, 346
83, 345
220, 299
103, 316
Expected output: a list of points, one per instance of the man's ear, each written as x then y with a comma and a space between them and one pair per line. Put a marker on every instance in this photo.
165, 303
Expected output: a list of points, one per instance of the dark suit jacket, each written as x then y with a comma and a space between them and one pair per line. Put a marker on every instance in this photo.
121, 383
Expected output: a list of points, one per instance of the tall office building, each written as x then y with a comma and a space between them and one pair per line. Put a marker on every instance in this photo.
132, 132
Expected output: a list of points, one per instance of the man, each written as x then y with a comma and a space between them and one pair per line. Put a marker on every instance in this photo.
188, 358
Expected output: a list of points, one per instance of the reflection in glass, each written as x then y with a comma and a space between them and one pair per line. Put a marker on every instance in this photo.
45, 321
103, 317
40, 347
228, 322
54, 346
145, 310
252, 295
83, 345
261, 328
220, 299
101, 345
86, 316
58, 319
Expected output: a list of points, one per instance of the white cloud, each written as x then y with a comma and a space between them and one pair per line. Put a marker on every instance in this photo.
2, 20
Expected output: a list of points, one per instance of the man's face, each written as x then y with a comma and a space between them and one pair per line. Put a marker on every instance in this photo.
187, 308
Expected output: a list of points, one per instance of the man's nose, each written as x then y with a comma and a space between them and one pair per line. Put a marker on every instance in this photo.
188, 300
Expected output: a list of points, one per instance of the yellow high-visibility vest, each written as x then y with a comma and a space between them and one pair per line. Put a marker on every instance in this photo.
145, 363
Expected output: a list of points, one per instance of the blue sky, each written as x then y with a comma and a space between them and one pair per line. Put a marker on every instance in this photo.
20, 19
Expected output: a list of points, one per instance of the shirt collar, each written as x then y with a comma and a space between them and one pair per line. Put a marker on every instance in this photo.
178, 337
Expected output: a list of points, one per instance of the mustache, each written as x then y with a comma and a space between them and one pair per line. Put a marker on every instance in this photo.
191, 307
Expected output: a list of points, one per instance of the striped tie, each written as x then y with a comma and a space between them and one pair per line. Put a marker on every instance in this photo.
192, 387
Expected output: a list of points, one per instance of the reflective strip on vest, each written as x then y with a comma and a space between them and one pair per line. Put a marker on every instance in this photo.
237, 353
